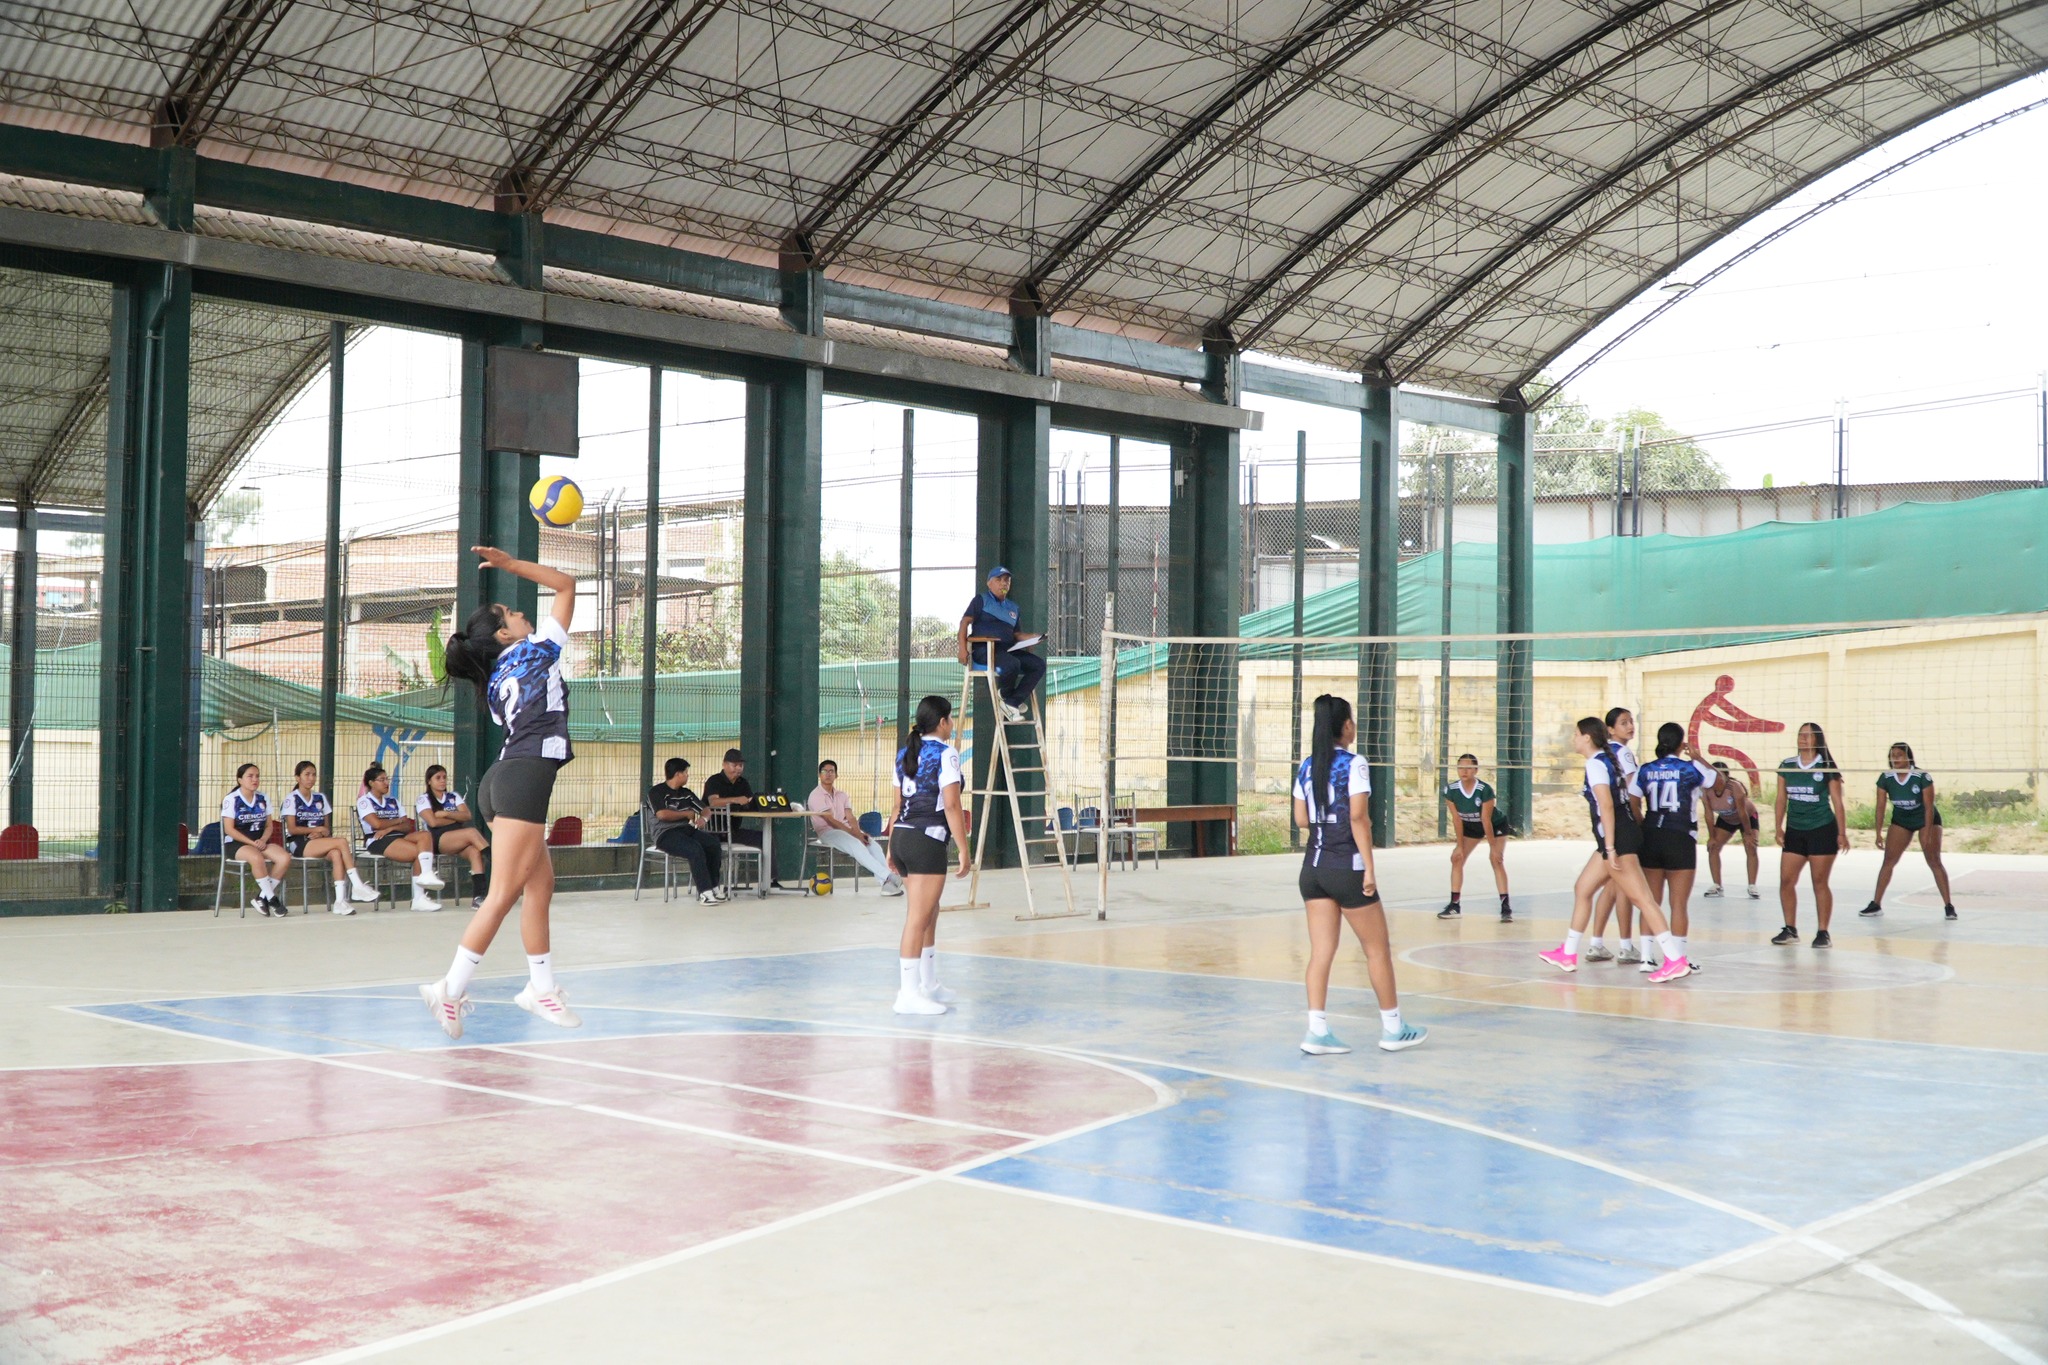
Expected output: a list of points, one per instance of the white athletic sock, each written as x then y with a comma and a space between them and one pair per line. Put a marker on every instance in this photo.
1593, 942
928, 968
1643, 945
1669, 946
341, 895
1319, 1023
1390, 1020
356, 879
459, 973
542, 969
426, 864
906, 973
1683, 951
1571, 942
267, 885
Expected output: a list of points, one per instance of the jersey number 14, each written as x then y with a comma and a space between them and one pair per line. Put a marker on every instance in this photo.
1663, 795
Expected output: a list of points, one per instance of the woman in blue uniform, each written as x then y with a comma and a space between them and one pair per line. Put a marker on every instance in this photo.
516, 665
1671, 784
245, 822
444, 817
1332, 802
388, 832
924, 815
309, 833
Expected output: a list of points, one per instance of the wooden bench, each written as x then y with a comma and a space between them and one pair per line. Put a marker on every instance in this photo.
1199, 816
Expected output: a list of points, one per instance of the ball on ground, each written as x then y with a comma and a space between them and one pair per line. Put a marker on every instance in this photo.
556, 501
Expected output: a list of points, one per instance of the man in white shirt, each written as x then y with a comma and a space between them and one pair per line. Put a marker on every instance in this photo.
832, 818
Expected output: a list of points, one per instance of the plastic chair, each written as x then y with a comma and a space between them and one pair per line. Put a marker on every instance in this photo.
871, 824
370, 864
208, 841
643, 819
629, 833
721, 825
567, 832
19, 843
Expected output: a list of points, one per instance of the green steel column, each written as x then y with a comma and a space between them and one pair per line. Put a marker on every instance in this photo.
21, 695
145, 639
1203, 586
1379, 602
1012, 473
650, 590
906, 508
779, 603
330, 597
1515, 685
192, 804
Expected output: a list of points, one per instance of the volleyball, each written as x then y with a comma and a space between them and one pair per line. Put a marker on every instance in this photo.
556, 501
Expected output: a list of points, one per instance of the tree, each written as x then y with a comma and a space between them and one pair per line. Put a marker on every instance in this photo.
232, 511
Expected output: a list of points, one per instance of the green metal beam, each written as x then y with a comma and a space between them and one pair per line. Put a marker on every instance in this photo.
1013, 468
145, 635
330, 597
1202, 599
650, 583
779, 603
1515, 678
21, 694
666, 267
1379, 601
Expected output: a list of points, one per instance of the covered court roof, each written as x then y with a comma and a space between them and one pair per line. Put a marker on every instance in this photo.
1448, 194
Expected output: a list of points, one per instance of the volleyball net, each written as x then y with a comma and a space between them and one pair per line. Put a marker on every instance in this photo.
1968, 694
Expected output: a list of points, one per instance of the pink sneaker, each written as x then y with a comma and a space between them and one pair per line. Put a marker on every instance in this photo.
1671, 971
1560, 959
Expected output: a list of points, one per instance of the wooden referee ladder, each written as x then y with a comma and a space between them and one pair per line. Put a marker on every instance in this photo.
1003, 771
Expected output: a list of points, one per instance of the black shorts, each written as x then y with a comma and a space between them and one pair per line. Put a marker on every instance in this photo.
1824, 842
518, 789
380, 843
1915, 829
1734, 826
1628, 839
1669, 850
1338, 881
1474, 828
295, 844
917, 854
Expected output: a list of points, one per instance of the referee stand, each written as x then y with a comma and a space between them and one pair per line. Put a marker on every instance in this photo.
1019, 749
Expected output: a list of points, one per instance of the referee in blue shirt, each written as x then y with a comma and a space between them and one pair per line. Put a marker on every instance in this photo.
994, 615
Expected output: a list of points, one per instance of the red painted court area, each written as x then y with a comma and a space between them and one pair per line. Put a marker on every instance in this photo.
275, 1209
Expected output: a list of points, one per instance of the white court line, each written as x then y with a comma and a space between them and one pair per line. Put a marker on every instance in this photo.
1932, 1302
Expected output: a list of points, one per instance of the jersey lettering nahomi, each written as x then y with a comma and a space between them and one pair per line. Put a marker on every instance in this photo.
1670, 785
938, 767
1331, 843
529, 699
1806, 793
1604, 769
250, 814
1469, 805
311, 811
1908, 795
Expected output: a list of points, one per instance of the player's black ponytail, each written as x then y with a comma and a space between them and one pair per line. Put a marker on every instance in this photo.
1331, 714
1670, 735
427, 785
1823, 758
473, 651
930, 711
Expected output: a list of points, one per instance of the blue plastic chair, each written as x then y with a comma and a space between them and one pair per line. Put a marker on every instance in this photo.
871, 824
630, 832
208, 841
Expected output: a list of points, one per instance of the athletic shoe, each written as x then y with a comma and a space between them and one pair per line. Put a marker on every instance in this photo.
1948, 912
1628, 954
1014, 715
277, 907
1646, 965
261, 905
1451, 911
892, 887
1406, 1036
1671, 971
1712, 893
1323, 1044
707, 898
1786, 935
1598, 952
1822, 940
1560, 959
1871, 909
365, 894
940, 995
907, 1003
549, 1004
1753, 895
342, 907
447, 1013
424, 903
476, 902
1507, 913
428, 880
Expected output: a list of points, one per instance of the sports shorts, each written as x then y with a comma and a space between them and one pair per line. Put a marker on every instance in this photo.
1628, 839
917, 854
1337, 882
1824, 842
518, 789
1669, 850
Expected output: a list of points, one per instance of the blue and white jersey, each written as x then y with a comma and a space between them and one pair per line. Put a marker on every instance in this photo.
938, 767
385, 807
251, 815
992, 616
1330, 842
1670, 786
1626, 758
311, 811
529, 699
452, 801
1604, 769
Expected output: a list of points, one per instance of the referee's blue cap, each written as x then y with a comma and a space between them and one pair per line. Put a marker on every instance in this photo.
1000, 571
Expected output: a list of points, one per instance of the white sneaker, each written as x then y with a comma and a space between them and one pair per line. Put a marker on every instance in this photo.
364, 894
1712, 893
1014, 715
940, 995
893, 886
1646, 965
342, 907
422, 902
550, 1005
1597, 952
1628, 953
447, 1013
708, 898
1752, 893
427, 879
907, 1003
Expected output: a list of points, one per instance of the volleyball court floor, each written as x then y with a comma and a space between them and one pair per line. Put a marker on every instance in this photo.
244, 1140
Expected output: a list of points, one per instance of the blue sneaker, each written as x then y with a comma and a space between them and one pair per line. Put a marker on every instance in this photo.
1323, 1044
1408, 1035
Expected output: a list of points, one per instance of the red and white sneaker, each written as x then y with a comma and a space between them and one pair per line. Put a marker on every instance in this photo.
550, 1005
1671, 971
447, 1013
1560, 959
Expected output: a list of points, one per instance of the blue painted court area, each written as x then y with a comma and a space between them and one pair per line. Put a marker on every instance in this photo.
1469, 1154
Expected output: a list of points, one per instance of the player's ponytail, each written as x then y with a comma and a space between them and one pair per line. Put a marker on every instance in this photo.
1670, 736
930, 712
473, 651
427, 785
1331, 714
1614, 714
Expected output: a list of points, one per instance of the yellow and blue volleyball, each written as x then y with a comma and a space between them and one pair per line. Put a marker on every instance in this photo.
556, 501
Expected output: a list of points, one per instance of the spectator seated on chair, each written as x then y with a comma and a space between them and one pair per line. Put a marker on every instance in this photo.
245, 819
679, 816
834, 828
443, 816
728, 787
993, 615
309, 833
389, 833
